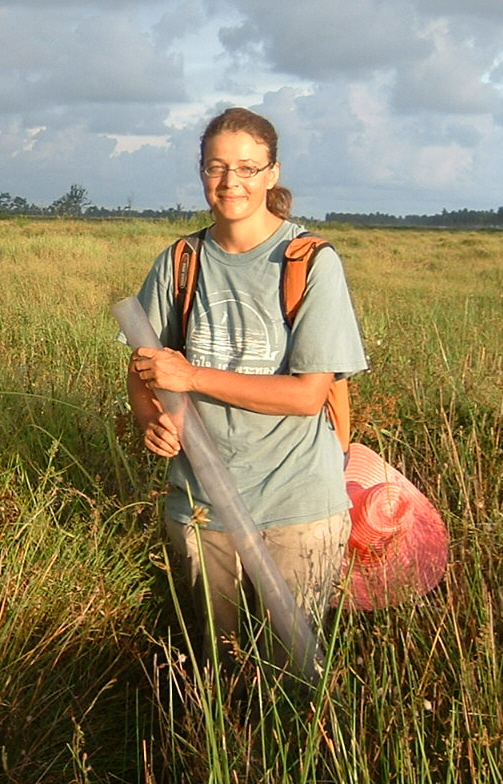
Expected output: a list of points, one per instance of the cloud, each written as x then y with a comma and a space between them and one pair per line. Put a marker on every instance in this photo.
325, 39
106, 5
390, 105
109, 60
438, 62
445, 81
182, 19
150, 176
362, 156
49, 60
473, 8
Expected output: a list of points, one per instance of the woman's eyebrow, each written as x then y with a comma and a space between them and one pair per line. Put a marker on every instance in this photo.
241, 160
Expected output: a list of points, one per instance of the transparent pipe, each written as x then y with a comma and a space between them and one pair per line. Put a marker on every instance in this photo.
288, 619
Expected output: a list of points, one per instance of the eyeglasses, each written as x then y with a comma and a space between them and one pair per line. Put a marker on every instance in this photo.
244, 172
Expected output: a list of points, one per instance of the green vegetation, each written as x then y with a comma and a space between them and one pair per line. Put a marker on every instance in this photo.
454, 219
75, 203
98, 679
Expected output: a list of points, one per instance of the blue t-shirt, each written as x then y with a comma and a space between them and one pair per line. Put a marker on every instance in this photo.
288, 469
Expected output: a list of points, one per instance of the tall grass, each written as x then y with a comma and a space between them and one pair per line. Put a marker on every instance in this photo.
100, 680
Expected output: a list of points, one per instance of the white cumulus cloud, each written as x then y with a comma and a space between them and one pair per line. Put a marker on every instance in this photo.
382, 105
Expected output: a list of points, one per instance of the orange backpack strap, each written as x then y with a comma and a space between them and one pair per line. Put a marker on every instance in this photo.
338, 411
185, 257
299, 255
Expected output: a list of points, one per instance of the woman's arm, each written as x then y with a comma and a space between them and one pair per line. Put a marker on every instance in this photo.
160, 434
299, 395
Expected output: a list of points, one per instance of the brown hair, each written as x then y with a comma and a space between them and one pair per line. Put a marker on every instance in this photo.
279, 199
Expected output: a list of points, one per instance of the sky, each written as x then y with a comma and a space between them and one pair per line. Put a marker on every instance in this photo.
392, 106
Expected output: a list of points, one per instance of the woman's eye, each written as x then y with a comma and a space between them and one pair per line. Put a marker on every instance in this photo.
245, 171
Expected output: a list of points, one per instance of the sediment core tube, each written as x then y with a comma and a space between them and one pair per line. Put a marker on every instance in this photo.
288, 620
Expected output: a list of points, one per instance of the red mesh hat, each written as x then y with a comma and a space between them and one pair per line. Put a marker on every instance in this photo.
398, 542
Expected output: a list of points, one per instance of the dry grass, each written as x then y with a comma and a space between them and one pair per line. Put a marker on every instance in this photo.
97, 678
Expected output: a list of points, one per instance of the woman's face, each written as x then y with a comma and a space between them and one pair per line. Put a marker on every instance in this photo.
233, 198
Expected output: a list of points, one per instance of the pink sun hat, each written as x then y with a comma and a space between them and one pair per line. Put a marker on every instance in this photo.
397, 548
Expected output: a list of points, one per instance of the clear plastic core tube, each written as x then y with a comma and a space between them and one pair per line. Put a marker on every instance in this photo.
288, 620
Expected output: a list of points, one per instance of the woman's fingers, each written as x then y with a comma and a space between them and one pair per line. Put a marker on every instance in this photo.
161, 437
163, 369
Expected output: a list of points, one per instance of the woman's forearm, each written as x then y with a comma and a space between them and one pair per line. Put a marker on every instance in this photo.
142, 399
297, 395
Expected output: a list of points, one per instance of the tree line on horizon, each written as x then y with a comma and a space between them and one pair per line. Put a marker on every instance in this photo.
454, 219
76, 204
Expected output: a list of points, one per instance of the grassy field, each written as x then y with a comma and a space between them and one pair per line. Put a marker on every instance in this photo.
97, 677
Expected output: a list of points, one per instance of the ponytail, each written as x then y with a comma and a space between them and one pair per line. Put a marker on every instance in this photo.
279, 201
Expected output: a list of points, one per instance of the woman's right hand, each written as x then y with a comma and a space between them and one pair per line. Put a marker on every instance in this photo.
161, 437
160, 434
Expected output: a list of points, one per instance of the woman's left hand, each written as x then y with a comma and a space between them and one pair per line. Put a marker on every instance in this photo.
164, 369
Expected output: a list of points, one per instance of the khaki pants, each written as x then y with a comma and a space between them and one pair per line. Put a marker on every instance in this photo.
308, 555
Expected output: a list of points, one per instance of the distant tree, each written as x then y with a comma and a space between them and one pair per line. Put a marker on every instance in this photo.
73, 203
5, 202
20, 206
17, 205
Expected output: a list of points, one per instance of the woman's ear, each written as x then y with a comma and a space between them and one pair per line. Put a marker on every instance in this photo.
273, 175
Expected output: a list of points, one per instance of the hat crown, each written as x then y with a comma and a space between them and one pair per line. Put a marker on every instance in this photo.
398, 546
379, 514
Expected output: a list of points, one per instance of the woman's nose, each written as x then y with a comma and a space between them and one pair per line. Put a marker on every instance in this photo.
230, 176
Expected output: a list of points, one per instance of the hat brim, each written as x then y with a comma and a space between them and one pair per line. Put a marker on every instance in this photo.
410, 561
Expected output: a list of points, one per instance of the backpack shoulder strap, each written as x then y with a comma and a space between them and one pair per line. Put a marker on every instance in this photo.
298, 258
185, 255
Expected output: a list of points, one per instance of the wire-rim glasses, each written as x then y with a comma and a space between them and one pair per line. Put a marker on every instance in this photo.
244, 172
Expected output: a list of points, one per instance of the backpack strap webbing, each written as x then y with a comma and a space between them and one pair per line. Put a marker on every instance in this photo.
185, 257
298, 258
338, 411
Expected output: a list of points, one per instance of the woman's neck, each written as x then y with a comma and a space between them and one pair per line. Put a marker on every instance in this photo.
241, 236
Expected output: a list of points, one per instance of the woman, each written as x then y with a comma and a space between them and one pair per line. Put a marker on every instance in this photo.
259, 386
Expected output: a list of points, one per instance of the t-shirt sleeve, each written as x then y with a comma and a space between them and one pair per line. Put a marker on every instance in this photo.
156, 297
325, 336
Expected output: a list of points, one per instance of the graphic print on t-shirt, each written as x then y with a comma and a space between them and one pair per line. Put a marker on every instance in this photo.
235, 332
